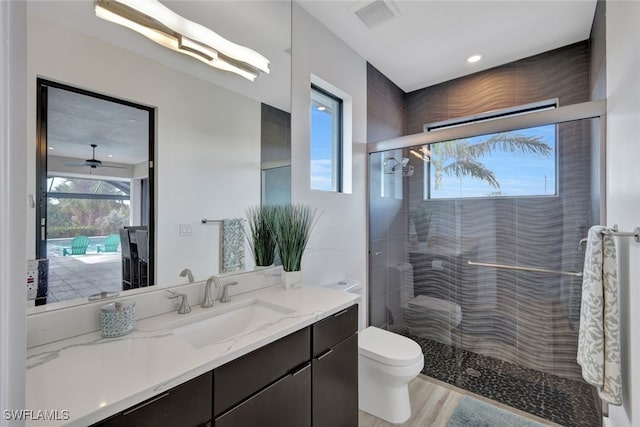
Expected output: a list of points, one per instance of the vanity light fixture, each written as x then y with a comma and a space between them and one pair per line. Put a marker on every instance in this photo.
162, 25
474, 58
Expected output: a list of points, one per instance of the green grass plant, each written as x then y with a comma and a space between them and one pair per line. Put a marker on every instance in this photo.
260, 236
292, 228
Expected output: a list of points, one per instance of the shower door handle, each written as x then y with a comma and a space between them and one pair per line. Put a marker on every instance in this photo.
519, 268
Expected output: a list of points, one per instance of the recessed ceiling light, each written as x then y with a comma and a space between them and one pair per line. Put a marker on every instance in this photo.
474, 58
131, 120
110, 155
50, 148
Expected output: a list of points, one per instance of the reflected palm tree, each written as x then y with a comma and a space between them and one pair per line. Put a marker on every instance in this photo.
460, 158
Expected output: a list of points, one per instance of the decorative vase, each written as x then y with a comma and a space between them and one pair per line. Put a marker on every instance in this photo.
291, 279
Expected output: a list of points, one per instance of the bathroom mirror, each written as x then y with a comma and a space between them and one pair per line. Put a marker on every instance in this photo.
210, 125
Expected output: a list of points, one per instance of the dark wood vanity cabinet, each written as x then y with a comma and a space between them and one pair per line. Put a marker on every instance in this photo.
269, 386
187, 405
334, 370
287, 402
308, 378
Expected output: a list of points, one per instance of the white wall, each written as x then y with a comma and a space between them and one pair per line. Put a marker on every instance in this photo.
338, 245
13, 206
208, 139
623, 188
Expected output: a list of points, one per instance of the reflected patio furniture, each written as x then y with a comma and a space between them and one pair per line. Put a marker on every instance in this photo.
130, 275
142, 240
130, 256
111, 243
79, 246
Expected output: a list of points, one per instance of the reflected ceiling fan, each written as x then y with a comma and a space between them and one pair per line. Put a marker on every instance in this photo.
93, 163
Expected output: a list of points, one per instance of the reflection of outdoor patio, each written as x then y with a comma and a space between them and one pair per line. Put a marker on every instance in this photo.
79, 276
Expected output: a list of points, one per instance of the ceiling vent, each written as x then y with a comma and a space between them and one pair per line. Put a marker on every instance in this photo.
375, 12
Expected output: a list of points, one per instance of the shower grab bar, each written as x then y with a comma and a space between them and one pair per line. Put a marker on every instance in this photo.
517, 267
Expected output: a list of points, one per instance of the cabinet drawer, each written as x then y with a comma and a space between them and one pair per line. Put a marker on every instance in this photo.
240, 378
187, 405
335, 328
286, 403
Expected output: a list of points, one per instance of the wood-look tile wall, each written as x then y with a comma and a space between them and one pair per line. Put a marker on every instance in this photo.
275, 134
598, 69
386, 110
561, 73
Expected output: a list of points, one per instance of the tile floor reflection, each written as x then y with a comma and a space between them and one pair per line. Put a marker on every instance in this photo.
79, 276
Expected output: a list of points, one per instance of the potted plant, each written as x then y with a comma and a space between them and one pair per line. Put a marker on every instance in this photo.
260, 235
292, 228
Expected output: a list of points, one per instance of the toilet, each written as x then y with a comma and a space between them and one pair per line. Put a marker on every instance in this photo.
387, 362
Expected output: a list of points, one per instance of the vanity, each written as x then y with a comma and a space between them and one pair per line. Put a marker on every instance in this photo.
289, 359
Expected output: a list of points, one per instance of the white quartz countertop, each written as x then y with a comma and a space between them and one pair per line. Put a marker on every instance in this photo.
84, 379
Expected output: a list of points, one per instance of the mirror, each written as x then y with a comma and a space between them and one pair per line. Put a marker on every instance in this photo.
209, 124
94, 208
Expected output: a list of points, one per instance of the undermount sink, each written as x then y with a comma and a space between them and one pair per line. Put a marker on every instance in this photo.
208, 328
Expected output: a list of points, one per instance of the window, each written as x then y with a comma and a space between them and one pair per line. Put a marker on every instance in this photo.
515, 163
326, 140
76, 206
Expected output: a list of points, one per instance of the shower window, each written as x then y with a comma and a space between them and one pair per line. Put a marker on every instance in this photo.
505, 164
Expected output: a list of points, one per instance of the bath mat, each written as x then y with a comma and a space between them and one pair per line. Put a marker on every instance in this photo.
472, 412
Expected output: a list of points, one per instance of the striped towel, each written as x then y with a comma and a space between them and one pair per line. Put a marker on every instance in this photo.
599, 337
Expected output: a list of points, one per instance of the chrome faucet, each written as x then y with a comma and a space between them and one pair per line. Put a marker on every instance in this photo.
208, 301
184, 303
187, 273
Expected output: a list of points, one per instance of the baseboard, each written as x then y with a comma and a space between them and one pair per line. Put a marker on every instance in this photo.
606, 422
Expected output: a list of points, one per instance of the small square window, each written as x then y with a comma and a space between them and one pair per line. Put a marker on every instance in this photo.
326, 140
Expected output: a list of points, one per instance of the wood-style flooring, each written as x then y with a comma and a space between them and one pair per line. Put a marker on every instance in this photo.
433, 402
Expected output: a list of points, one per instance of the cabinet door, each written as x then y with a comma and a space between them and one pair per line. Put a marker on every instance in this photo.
188, 405
335, 386
242, 377
286, 403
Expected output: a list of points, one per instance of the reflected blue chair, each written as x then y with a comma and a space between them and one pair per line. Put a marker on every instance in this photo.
79, 246
111, 243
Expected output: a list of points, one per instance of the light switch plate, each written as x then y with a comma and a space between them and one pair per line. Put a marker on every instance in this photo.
185, 229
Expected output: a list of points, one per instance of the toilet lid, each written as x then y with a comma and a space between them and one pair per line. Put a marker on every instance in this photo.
388, 348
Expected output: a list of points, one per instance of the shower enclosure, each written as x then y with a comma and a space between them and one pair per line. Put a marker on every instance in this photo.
475, 254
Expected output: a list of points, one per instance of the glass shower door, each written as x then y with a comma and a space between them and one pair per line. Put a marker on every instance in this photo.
476, 256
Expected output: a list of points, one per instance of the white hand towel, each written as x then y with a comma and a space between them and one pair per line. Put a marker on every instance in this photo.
599, 337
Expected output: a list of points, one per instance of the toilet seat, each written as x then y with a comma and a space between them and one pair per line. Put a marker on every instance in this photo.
388, 348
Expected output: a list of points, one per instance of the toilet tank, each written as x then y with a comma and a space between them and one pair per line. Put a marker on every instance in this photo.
354, 287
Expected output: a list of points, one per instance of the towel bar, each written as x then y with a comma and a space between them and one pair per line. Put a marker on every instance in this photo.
614, 232
219, 221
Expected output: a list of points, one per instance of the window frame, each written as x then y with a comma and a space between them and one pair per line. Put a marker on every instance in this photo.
337, 139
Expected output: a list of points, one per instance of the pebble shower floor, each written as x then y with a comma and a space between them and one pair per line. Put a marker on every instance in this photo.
557, 399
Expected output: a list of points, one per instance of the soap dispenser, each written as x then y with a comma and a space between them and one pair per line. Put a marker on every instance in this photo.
118, 318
